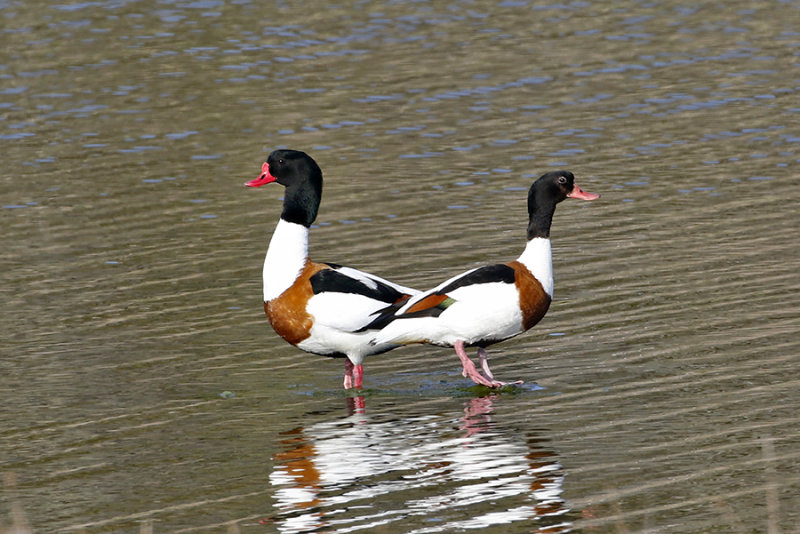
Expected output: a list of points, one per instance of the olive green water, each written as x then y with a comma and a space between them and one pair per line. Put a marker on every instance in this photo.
142, 386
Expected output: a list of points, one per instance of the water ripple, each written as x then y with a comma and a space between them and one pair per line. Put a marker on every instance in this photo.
147, 386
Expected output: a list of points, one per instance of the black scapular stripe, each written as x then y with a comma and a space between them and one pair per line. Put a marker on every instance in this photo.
334, 281
482, 275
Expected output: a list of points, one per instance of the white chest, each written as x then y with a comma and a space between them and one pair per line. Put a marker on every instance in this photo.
286, 256
538, 258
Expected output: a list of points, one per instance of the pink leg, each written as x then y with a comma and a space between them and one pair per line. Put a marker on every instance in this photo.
358, 375
484, 358
353, 374
348, 373
468, 368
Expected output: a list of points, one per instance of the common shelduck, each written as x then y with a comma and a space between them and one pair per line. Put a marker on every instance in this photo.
491, 303
322, 308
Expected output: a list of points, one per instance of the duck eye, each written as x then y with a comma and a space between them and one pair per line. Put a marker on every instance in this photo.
562, 179
280, 161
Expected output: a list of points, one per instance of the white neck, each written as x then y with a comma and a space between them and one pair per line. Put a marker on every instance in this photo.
538, 258
286, 256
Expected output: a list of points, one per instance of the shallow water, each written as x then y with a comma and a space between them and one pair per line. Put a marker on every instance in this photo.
144, 387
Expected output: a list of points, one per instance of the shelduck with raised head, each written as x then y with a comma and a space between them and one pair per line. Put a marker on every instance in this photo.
321, 308
491, 303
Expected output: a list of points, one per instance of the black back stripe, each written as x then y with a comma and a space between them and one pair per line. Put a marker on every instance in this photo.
329, 280
482, 275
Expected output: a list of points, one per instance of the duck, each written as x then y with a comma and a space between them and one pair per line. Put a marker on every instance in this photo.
320, 308
491, 303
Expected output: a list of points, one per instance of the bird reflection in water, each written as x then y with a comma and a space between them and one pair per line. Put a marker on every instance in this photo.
435, 472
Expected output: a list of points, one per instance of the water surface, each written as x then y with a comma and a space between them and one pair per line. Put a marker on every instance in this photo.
144, 387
